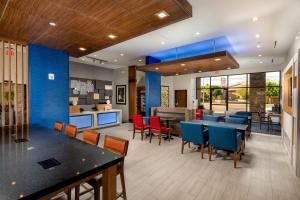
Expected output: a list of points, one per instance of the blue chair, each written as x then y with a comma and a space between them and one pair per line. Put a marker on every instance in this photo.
214, 118
225, 138
238, 120
193, 132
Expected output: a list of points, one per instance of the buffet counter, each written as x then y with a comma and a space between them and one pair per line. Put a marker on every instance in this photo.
96, 119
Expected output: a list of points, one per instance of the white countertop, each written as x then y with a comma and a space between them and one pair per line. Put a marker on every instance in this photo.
95, 112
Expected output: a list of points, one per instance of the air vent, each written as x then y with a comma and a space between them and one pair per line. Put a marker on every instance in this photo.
46, 164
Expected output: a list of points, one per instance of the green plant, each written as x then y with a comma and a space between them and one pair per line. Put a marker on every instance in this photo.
6, 96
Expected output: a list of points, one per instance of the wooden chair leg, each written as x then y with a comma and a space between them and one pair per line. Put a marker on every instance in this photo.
169, 136
150, 137
69, 194
133, 135
159, 137
182, 147
77, 192
202, 151
209, 152
96, 193
123, 184
142, 134
235, 158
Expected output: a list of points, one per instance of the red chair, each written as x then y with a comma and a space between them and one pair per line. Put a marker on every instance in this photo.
198, 114
139, 125
157, 130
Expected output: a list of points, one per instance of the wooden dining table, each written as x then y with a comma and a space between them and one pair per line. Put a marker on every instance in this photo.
39, 163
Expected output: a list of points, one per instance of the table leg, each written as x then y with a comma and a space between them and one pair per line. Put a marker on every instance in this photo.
109, 183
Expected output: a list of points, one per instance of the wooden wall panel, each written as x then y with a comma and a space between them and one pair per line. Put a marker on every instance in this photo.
86, 23
13, 69
132, 91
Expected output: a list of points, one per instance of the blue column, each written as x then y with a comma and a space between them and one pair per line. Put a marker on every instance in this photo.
48, 99
153, 86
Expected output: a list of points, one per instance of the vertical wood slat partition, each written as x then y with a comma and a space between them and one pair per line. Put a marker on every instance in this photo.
13, 96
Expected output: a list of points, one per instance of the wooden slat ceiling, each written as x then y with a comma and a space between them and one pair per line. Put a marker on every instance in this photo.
85, 23
203, 63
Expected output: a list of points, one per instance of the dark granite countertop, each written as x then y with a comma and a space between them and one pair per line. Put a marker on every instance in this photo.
21, 175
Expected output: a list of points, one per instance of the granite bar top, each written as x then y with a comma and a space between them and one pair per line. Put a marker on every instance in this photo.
21, 150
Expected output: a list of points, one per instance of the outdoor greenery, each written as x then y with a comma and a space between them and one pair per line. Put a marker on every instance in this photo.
272, 89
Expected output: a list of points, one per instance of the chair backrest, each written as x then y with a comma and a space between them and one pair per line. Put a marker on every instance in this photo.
223, 137
198, 113
58, 126
192, 132
214, 118
243, 113
236, 120
137, 120
116, 145
154, 123
91, 136
71, 130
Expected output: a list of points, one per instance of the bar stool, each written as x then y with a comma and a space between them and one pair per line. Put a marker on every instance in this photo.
118, 146
91, 136
71, 130
58, 126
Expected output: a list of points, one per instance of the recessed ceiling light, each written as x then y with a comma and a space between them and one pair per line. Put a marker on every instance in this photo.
257, 35
259, 55
177, 74
258, 46
140, 60
122, 54
218, 59
156, 68
228, 67
182, 64
197, 33
82, 49
199, 71
162, 14
162, 43
112, 36
254, 19
261, 62
52, 24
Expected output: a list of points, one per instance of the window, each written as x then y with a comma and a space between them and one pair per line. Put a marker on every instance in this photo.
243, 92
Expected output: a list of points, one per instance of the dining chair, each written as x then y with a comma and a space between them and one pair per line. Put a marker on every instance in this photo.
225, 138
239, 120
193, 132
91, 136
198, 114
214, 118
71, 130
138, 125
58, 126
264, 119
116, 145
156, 129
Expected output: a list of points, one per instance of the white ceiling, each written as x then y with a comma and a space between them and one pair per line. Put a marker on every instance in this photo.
277, 20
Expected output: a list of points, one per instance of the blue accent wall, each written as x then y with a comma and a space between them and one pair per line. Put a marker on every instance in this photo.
153, 86
48, 99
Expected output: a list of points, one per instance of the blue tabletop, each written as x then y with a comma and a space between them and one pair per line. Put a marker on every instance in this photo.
242, 127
